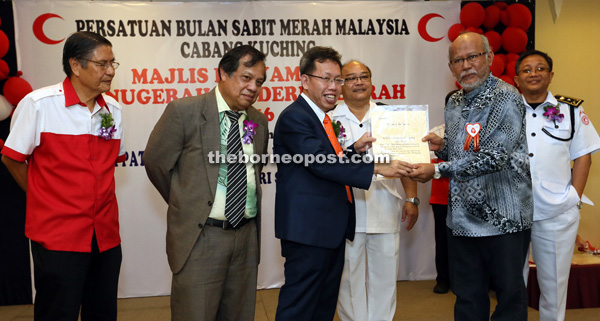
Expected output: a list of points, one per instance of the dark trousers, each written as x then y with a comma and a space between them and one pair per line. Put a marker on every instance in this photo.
312, 282
441, 243
68, 281
477, 262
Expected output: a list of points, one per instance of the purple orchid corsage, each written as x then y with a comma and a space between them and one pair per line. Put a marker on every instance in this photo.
107, 128
553, 114
339, 131
249, 131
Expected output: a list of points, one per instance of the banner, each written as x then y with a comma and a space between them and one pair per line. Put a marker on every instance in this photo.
171, 50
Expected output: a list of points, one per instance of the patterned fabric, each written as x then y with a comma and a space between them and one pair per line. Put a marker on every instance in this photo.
336, 146
235, 200
490, 190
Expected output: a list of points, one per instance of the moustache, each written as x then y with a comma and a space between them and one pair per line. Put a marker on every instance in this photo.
467, 73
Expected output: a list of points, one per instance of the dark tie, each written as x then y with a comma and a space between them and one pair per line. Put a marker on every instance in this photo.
235, 200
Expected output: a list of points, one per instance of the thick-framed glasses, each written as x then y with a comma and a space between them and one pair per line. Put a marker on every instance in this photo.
470, 59
539, 70
336, 81
104, 64
352, 80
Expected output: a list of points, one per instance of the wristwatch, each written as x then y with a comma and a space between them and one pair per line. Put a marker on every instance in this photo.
437, 173
414, 200
579, 204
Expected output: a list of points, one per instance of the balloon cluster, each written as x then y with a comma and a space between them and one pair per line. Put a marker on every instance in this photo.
15, 88
512, 20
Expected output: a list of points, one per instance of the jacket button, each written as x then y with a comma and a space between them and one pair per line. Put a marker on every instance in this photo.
533, 134
534, 115
199, 225
530, 154
210, 203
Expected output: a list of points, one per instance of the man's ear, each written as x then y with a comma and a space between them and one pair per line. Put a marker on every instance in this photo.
75, 65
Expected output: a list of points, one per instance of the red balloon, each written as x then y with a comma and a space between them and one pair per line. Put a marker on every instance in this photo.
492, 17
512, 57
3, 44
502, 56
508, 79
15, 88
504, 17
510, 69
501, 5
472, 29
497, 67
4, 70
514, 39
472, 15
494, 39
455, 31
519, 16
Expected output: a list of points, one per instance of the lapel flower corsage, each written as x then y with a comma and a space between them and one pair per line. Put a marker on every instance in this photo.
339, 131
249, 131
107, 126
553, 114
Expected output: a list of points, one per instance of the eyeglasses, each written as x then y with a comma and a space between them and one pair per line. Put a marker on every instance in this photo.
539, 70
337, 81
352, 80
104, 64
470, 59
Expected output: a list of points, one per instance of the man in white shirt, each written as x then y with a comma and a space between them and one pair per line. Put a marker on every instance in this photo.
558, 132
372, 258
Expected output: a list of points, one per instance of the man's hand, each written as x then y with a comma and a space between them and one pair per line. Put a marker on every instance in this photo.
410, 214
395, 168
422, 172
364, 143
436, 143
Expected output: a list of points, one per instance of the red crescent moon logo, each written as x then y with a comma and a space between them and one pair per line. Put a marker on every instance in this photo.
423, 27
38, 28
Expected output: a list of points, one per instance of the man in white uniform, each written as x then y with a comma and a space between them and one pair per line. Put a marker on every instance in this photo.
558, 132
372, 258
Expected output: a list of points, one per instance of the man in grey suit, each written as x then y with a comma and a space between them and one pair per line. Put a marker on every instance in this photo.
213, 219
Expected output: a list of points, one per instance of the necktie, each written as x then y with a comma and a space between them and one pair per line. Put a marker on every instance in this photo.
235, 199
336, 145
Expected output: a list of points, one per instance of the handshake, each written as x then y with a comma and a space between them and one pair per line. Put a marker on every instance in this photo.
396, 168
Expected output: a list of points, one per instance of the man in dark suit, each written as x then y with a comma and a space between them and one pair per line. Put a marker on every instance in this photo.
314, 212
213, 220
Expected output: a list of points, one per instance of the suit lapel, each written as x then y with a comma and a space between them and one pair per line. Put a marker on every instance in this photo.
259, 137
317, 123
211, 137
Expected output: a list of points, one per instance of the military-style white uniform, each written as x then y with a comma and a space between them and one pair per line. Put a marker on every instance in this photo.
377, 237
556, 214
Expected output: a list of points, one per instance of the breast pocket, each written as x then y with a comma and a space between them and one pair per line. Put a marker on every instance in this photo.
553, 133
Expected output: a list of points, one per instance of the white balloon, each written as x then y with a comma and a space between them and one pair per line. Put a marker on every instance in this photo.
5, 108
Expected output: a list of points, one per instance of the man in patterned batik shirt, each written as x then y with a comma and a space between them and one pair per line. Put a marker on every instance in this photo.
490, 201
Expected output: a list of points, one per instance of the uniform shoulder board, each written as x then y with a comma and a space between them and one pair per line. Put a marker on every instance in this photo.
575, 102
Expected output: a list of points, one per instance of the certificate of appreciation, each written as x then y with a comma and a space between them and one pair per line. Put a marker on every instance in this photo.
399, 130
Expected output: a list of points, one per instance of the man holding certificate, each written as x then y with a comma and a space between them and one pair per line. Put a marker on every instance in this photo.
314, 206
490, 202
372, 258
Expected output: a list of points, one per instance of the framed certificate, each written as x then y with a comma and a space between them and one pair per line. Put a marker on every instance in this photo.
399, 130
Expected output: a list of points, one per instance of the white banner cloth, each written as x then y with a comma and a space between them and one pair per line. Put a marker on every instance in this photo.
171, 50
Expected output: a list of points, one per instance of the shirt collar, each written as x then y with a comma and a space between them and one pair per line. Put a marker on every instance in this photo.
320, 113
475, 92
550, 100
71, 97
342, 110
222, 106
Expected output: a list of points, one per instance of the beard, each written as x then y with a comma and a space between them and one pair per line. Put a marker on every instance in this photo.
471, 86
